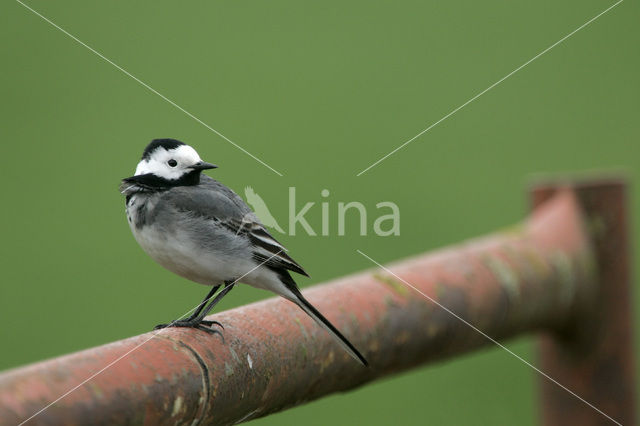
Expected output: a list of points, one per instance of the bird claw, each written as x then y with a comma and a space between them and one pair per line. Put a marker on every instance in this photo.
200, 325
209, 330
210, 323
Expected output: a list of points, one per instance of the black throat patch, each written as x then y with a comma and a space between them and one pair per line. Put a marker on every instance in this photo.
151, 182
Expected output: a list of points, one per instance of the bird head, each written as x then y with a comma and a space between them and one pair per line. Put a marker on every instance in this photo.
168, 162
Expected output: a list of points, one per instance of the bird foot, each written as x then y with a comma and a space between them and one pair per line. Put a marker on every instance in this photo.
203, 325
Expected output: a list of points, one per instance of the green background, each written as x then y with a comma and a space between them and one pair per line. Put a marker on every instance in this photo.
319, 91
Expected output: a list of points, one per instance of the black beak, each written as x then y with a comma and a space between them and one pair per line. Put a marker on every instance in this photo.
203, 165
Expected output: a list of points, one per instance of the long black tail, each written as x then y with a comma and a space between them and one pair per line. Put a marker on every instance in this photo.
320, 319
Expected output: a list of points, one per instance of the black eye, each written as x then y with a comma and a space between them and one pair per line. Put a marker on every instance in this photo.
172, 163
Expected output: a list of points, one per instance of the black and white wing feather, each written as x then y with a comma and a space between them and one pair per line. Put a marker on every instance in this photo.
270, 251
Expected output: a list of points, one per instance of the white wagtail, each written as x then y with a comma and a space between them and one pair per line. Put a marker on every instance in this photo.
203, 231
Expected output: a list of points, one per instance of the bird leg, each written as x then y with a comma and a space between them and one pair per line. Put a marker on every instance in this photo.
203, 303
228, 285
196, 320
189, 322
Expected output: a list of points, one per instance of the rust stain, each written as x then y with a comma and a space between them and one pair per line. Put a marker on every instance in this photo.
506, 276
302, 329
567, 282
402, 338
395, 285
228, 369
327, 361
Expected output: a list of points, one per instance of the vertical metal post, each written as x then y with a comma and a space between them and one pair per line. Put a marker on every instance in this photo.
594, 355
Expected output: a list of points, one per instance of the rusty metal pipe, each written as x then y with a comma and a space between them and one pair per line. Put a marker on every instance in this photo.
541, 275
593, 355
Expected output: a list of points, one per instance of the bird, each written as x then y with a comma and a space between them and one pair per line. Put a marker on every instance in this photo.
261, 210
201, 230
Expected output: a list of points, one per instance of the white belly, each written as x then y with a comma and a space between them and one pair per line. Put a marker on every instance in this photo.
178, 253
182, 257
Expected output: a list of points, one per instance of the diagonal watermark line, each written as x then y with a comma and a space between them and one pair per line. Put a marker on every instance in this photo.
491, 339
153, 334
151, 89
490, 87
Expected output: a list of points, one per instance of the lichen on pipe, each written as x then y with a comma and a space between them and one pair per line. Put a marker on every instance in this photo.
271, 356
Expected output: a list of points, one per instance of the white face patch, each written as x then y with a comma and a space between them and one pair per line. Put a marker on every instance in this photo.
160, 159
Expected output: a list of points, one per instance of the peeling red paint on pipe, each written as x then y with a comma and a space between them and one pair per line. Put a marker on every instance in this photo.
539, 276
